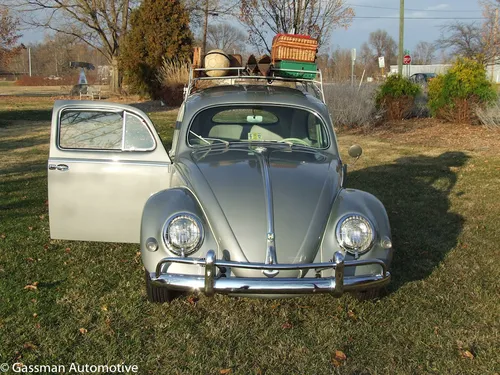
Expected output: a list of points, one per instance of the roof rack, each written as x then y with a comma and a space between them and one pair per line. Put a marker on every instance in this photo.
236, 74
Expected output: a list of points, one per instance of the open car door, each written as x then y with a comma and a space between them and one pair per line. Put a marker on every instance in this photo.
105, 161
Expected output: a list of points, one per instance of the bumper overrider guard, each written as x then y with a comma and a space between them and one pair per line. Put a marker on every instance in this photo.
215, 280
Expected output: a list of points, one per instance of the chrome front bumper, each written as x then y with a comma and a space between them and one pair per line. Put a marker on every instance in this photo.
213, 282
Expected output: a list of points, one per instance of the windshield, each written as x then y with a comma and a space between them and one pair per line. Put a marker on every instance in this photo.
229, 124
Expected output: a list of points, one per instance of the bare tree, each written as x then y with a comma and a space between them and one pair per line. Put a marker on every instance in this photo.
341, 59
312, 17
101, 24
465, 40
491, 28
197, 8
380, 43
226, 37
424, 53
8, 36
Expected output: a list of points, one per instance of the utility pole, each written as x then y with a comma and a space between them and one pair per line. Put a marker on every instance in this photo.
401, 35
205, 29
29, 59
495, 46
353, 62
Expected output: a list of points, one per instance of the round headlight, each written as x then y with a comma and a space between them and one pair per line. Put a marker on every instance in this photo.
183, 234
355, 234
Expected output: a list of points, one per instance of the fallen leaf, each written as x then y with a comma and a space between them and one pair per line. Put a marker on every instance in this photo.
37, 326
467, 354
35, 315
339, 358
340, 355
30, 228
33, 286
83, 331
46, 246
351, 315
68, 250
192, 300
436, 330
104, 308
30, 260
225, 371
29, 346
275, 305
2, 236
42, 217
287, 325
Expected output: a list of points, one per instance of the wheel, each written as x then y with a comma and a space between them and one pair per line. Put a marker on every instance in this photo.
159, 294
369, 294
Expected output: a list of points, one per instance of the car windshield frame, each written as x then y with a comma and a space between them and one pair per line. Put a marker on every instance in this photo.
328, 140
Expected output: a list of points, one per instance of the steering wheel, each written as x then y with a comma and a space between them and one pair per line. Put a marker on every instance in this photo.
296, 140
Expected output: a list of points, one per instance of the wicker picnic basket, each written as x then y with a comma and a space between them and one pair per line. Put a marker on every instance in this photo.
294, 47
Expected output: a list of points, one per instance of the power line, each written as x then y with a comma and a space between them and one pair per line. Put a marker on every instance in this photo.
383, 17
415, 10
422, 18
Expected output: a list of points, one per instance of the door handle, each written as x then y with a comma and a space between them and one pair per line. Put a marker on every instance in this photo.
59, 167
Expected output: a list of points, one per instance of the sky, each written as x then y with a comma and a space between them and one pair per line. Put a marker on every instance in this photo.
415, 29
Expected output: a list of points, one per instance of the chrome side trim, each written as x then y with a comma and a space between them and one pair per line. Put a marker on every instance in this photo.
211, 283
117, 161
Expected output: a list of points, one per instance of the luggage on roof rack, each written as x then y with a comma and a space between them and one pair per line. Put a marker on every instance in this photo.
309, 80
294, 47
292, 60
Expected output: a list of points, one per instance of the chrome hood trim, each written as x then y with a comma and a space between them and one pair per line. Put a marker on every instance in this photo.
271, 257
230, 182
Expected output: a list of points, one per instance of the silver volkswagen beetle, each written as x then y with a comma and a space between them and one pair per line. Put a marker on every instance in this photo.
249, 201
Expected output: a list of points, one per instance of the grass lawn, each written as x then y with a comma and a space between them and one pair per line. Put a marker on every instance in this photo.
64, 302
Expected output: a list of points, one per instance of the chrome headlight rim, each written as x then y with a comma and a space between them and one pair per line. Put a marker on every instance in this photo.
165, 234
341, 243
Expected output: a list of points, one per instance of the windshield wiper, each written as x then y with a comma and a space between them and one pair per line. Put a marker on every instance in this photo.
206, 140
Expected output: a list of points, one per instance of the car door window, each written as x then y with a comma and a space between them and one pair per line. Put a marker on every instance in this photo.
104, 131
137, 135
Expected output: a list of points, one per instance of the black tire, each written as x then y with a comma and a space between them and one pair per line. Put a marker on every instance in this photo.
369, 294
159, 294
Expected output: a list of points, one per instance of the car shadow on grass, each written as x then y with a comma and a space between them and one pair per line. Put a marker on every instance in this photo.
6, 117
27, 142
416, 193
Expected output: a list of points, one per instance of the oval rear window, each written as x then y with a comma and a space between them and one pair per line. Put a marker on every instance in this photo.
245, 116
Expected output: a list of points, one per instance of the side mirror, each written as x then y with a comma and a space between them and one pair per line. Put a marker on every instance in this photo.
355, 151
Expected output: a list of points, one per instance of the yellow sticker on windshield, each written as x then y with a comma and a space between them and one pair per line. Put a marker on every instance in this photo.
254, 136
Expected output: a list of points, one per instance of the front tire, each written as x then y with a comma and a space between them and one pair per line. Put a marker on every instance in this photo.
159, 294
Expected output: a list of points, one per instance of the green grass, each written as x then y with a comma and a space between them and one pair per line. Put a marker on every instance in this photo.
443, 206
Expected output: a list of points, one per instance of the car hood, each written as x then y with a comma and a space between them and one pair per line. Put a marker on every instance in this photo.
230, 186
